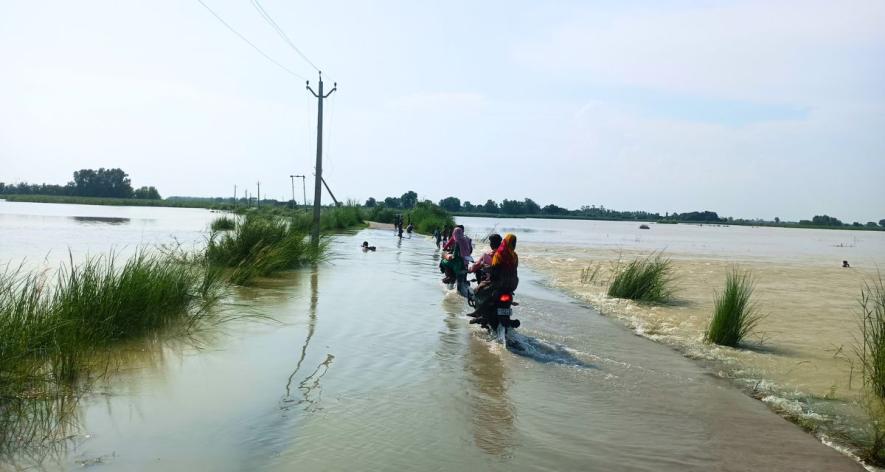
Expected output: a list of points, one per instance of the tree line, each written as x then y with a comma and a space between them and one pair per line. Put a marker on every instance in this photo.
105, 183
528, 207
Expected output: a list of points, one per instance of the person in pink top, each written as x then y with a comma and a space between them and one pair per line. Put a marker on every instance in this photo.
485, 260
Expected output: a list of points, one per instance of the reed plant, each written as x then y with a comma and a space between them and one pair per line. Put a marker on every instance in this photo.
648, 280
223, 223
261, 245
735, 315
872, 344
52, 328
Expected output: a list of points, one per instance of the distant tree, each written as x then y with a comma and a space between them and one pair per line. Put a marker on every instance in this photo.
409, 200
392, 202
468, 207
857, 224
882, 223
451, 203
146, 193
512, 207
490, 206
826, 220
530, 207
777, 220
112, 183
872, 224
552, 209
371, 203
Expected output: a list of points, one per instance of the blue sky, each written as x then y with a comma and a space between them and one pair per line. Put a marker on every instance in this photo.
752, 109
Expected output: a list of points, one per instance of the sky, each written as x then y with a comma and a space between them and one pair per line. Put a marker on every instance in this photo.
753, 109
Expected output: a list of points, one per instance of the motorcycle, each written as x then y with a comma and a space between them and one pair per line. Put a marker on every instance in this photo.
497, 317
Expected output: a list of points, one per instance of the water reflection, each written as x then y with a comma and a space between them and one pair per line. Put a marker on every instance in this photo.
492, 413
309, 387
109, 220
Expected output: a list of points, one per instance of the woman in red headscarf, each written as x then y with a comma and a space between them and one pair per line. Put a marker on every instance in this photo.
503, 276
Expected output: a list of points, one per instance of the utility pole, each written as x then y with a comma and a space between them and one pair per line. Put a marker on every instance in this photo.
303, 188
258, 197
292, 177
317, 188
235, 196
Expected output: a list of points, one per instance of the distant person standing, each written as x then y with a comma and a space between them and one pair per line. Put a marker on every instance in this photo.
437, 234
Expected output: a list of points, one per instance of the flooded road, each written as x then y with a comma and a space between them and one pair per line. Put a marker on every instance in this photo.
373, 366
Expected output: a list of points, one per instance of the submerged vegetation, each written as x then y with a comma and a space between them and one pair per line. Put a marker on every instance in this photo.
734, 314
647, 280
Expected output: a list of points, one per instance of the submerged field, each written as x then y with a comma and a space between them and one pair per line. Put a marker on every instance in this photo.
801, 357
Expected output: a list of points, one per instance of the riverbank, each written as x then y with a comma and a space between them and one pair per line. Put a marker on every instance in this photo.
801, 361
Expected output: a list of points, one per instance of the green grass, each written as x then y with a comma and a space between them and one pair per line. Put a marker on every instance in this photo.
871, 354
259, 246
52, 327
735, 315
332, 219
872, 349
426, 217
223, 223
648, 280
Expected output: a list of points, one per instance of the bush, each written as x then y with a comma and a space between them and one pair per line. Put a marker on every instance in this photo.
426, 217
734, 314
645, 280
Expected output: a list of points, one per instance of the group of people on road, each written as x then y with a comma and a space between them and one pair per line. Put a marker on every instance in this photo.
398, 225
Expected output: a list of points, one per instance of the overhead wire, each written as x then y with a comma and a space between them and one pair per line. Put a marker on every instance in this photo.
250, 43
273, 24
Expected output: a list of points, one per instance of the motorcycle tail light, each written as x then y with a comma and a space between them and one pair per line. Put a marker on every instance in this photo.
505, 298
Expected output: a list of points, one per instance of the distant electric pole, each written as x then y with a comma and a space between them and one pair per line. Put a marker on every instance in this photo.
303, 188
235, 195
292, 177
258, 197
318, 188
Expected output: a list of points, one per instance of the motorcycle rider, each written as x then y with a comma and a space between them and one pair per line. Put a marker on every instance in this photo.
503, 277
485, 261
454, 264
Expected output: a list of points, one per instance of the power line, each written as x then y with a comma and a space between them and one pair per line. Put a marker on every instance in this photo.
273, 24
231, 28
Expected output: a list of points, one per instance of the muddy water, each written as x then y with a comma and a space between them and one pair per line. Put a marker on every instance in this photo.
802, 358
373, 366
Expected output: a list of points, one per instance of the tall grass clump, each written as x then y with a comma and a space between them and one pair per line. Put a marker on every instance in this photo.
735, 315
53, 327
259, 246
871, 352
99, 302
647, 280
223, 223
340, 218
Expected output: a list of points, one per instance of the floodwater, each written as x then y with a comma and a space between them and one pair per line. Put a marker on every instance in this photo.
372, 366
801, 360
